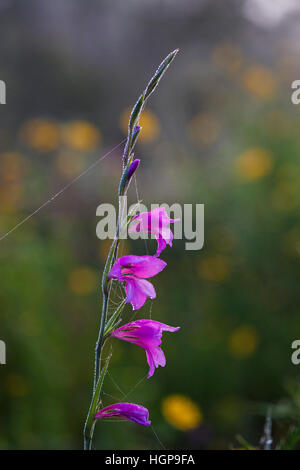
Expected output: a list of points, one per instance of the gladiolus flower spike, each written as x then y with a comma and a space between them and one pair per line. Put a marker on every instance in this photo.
133, 271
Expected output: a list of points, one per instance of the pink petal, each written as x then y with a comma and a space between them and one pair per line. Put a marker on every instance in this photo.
115, 272
167, 234
142, 266
155, 358
161, 245
137, 291
151, 364
129, 411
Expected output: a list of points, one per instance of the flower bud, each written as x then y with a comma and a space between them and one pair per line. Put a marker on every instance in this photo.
127, 175
132, 169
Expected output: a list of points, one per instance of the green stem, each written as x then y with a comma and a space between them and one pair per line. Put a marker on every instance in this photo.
90, 423
100, 339
89, 427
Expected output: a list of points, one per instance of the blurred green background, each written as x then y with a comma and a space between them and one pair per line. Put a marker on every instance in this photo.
220, 130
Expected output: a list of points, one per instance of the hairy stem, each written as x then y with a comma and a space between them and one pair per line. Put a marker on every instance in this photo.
89, 427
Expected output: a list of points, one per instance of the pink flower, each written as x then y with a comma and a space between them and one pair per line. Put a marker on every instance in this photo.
133, 270
146, 334
129, 411
155, 222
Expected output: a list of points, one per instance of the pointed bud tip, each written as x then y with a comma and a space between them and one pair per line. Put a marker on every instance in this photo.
173, 53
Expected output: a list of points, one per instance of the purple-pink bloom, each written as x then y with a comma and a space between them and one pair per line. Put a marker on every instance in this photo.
129, 411
146, 334
157, 223
132, 168
133, 270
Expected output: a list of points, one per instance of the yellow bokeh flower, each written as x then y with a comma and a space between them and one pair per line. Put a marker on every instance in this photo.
40, 134
214, 268
253, 164
181, 412
148, 121
69, 164
260, 82
83, 280
243, 341
81, 135
204, 129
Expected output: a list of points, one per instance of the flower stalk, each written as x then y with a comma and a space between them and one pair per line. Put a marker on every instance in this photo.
129, 167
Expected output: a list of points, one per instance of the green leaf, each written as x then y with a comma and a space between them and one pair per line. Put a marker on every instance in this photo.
111, 323
292, 439
245, 444
135, 113
159, 73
